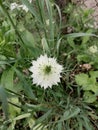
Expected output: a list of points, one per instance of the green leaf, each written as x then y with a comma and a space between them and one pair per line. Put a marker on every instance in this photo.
27, 88
28, 38
7, 79
25, 115
58, 46
50, 15
82, 79
38, 107
89, 97
11, 126
80, 122
88, 83
71, 41
83, 57
31, 9
86, 38
80, 35
91, 85
73, 112
43, 118
3, 98
13, 110
94, 74
39, 127
30, 43
60, 15
87, 123
59, 126
45, 45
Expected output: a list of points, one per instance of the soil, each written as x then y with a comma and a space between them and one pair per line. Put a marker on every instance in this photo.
91, 4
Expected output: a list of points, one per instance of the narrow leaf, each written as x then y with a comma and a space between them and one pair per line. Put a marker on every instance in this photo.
43, 118
45, 45
80, 35
3, 98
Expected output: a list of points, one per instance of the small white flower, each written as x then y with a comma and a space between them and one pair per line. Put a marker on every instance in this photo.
46, 71
13, 6
93, 49
30, 1
24, 7
48, 22
89, 25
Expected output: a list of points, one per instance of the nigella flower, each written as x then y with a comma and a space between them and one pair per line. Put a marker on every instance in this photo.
46, 71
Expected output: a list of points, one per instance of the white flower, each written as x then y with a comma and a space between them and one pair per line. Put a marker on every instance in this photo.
30, 1
13, 6
48, 22
46, 71
93, 49
24, 7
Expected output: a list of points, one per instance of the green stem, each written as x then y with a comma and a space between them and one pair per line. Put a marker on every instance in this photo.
42, 19
14, 104
10, 19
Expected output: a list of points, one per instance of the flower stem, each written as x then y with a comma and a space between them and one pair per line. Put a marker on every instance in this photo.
12, 23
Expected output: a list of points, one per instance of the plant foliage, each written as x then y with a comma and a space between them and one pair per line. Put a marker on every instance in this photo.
66, 33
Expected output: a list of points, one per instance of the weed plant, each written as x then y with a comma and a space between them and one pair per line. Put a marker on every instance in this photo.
69, 36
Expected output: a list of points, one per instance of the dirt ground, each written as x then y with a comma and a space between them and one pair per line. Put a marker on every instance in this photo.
90, 4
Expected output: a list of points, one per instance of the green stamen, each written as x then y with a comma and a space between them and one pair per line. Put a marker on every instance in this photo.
47, 69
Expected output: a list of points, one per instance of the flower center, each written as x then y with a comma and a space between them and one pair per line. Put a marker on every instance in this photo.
47, 69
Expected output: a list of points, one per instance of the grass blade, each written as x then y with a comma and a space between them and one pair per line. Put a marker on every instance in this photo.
3, 98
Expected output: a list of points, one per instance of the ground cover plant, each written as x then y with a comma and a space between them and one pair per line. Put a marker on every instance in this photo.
48, 66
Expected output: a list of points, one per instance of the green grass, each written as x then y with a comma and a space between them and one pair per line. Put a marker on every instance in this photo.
65, 35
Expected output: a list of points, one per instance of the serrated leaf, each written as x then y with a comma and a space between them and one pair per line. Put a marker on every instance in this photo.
82, 79
89, 97
83, 57
91, 85
93, 74
87, 83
